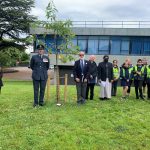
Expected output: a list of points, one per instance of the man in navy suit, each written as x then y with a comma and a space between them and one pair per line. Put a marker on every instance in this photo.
81, 75
39, 64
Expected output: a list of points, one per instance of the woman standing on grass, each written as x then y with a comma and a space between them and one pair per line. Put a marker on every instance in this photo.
1, 75
115, 78
124, 76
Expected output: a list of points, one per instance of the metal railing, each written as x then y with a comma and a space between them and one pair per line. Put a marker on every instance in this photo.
112, 24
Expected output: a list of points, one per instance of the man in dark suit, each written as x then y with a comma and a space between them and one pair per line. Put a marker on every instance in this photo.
105, 78
81, 75
39, 64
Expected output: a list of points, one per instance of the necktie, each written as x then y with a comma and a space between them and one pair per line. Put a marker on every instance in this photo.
82, 65
41, 56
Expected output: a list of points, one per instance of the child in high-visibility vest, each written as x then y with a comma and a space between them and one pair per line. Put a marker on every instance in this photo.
128, 60
139, 75
115, 78
148, 81
125, 77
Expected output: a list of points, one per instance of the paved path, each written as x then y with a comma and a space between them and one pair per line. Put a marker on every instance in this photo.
24, 73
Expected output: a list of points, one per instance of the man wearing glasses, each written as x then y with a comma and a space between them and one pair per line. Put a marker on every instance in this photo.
81, 75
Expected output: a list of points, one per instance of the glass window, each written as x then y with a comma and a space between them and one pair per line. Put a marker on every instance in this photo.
136, 47
82, 45
103, 47
50, 43
146, 50
115, 46
125, 47
92, 46
40, 40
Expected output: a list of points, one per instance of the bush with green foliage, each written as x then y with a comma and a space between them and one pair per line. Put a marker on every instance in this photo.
9, 56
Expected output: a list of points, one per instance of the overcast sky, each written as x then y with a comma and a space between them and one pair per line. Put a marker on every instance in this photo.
81, 10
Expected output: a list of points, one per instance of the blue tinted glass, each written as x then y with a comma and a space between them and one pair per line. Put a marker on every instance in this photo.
74, 41
136, 47
103, 47
82, 45
125, 47
92, 46
115, 46
146, 50
50, 43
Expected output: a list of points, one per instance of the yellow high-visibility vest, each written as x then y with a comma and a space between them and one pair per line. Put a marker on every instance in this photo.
142, 71
148, 71
116, 72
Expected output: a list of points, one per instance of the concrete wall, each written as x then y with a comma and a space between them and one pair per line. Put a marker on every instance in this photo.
99, 58
100, 31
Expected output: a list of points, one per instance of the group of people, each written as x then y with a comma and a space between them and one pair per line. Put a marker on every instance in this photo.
107, 74
87, 74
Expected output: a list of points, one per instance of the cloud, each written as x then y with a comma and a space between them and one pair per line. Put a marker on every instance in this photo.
96, 9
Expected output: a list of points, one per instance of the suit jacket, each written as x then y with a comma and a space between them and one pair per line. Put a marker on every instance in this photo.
77, 71
93, 72
105, 70
39, 67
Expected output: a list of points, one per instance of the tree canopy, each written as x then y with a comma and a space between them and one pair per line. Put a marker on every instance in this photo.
14, 20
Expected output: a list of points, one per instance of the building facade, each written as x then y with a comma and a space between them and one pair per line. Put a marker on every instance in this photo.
119, 40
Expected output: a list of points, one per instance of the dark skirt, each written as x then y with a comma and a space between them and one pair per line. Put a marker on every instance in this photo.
124, 83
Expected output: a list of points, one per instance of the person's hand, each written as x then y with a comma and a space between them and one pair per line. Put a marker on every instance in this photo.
139, 73
99, 81
112, 81
91, 76
127, 80
77, 80
85, 80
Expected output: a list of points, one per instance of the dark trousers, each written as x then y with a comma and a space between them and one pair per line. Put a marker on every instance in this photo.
81, 91
138, 88
148, 90
90, 86
129, 87
114, 88
39, 84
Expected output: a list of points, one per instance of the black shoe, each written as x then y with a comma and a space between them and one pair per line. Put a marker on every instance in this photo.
123, 98
78, 101
41, 104
137, 97
101, 98
142, 98
83, 101
35, 105
91, 98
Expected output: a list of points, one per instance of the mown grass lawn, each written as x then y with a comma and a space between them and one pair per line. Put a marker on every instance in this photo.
97, 125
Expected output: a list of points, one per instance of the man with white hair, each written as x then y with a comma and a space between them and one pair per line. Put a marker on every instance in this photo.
92, 77
81, 75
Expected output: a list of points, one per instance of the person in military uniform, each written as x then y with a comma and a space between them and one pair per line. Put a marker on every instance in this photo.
39, 64
115, 78
139, 75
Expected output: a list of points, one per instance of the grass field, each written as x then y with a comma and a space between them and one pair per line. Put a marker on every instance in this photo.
97, 125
